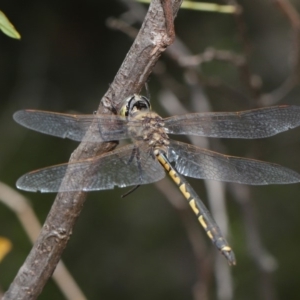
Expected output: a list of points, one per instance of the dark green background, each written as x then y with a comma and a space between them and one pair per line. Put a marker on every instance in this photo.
137, 248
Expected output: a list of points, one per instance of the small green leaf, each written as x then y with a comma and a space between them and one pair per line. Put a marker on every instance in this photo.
212, 7
7, 27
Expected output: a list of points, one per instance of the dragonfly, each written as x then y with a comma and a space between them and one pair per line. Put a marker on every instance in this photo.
152, 153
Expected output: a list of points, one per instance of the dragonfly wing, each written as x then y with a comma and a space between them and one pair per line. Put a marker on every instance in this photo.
196, 162
125, 166
249, 124
74, 127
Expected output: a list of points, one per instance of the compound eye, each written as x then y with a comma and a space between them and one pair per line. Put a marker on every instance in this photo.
133, 104
124, 111
140, 105
147, 102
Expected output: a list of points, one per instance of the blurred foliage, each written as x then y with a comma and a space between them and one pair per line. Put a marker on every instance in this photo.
137, 248
7, 27
5, 247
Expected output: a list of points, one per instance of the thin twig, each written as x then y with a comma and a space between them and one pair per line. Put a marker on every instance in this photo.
250, 80
20, 206
265, 262
294, 78
201, 252
209, 55
151, 41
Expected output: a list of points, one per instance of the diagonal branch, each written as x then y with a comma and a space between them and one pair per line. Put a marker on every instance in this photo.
151, 41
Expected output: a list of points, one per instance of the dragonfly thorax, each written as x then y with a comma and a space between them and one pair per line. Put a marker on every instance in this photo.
150, 129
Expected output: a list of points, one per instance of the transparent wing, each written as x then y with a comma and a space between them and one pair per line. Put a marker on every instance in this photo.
125, 166
196, 162
249, 124
74, 127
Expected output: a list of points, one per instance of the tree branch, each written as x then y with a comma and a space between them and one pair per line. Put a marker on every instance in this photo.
151, 41
30, 223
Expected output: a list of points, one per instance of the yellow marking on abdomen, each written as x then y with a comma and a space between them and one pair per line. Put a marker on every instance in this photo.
193, 205
202, 222
161, 159
175, 177
164, 162
186, 194
210, 235
226, 248
167, 167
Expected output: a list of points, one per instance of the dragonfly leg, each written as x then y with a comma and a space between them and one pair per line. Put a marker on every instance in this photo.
135, 154
130, 191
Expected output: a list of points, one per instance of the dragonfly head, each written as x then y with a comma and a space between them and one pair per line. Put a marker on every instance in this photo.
133, 104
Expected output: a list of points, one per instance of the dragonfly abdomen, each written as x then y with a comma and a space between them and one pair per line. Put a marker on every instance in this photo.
201, 212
